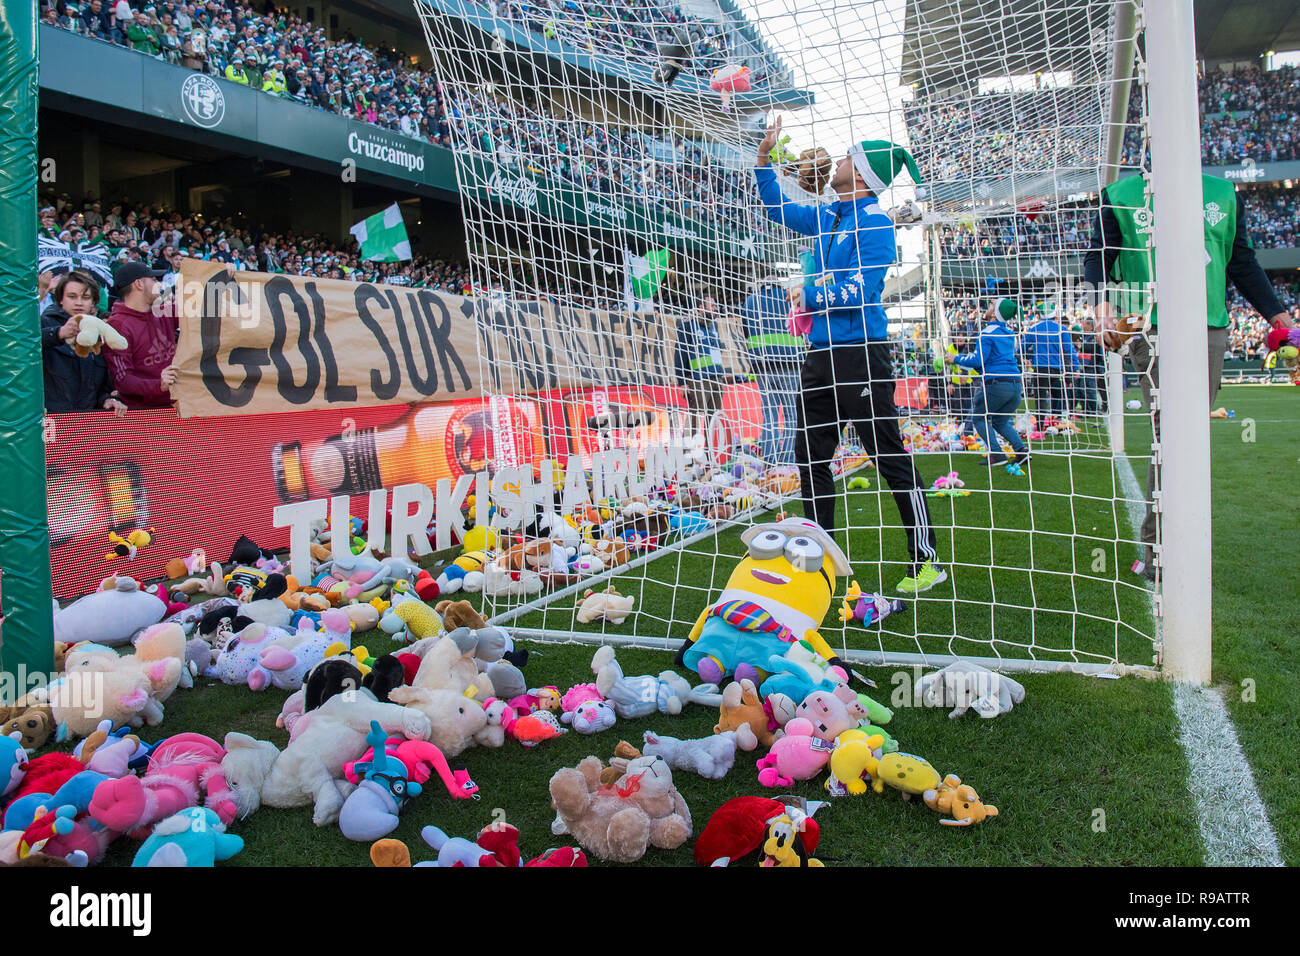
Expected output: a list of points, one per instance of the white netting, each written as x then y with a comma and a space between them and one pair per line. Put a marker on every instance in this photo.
590, 136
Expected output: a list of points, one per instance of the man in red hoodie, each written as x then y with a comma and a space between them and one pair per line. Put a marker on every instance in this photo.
142, 372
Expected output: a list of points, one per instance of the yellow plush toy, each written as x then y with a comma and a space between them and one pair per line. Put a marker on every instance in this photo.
853, 752
782, 845
960, 801
410, 619
480, 538
908, 773
778, 594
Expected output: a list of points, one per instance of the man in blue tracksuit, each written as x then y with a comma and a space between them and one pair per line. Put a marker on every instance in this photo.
846, 374
998, 389
1048, 350
774, 355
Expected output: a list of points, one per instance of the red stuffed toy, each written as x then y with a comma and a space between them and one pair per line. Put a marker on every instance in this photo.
737, 829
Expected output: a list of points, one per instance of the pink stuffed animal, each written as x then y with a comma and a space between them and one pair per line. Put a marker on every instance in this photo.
799, 755
831, 713
579, 694
501, 719
949, 480
181, 768
422, 760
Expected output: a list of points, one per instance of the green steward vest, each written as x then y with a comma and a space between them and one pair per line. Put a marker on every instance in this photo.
1135, 265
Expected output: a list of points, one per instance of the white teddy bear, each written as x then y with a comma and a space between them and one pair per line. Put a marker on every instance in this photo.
711, 757
963, 685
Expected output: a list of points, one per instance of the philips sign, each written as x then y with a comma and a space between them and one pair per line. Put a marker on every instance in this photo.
1247, 172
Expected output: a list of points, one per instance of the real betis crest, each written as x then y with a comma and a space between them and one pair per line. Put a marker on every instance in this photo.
1213, 214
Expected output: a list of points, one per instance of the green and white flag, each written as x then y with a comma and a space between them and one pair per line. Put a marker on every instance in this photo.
643, 275
383, 236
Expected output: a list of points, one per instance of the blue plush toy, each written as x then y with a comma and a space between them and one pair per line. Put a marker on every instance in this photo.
194, 837
13, 763
797, 673
371, 810
687, 523
75, 792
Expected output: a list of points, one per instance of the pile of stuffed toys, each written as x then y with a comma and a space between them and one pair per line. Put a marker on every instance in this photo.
367, 735
946, 434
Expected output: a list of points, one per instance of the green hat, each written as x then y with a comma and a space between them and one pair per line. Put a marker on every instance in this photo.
1047, 308
1006, 309
878, 161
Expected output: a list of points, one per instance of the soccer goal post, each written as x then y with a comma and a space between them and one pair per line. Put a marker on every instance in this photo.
26, 629
605, 157
1183, 446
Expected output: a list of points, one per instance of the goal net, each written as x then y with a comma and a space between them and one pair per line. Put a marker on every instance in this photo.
605, 157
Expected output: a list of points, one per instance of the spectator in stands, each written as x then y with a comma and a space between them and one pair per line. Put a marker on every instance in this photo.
97, 22
775, 355
235, 72
700, 371
142, 372
73, 383
1048, 350
194, 52
141, 33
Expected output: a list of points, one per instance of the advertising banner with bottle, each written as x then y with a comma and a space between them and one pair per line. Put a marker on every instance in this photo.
201, 483
254, 343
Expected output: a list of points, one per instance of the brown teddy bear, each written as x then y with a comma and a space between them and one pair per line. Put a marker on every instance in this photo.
456, 614
960, 801
31, 717
813, 170
619, 821
742, 711
614, 553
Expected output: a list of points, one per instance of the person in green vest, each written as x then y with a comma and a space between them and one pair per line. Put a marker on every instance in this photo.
235, 71
1121, 251
273, 80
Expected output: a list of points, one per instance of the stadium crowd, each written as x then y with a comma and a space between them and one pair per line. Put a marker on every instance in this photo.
161, 238
1245, 114
629, 30
1272, 214
1062, 230
283, 55
1251, 113
995, 133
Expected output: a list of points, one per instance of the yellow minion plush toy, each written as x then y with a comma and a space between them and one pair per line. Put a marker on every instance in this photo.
777, 595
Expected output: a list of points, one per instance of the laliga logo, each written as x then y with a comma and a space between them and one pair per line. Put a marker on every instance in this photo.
203, 101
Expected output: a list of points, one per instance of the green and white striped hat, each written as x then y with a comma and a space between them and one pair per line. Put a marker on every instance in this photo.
878, 161
1006, 309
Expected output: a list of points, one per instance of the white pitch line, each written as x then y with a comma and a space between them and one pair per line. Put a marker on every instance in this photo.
1233, 819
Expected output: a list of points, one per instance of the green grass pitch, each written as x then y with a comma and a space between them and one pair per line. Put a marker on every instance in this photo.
1087, 772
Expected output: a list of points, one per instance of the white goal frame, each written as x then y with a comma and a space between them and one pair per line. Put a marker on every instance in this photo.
1181, 602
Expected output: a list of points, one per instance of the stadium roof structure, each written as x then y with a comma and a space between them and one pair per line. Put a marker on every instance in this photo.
956, 42
531, 55
1245, 29
944, 38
